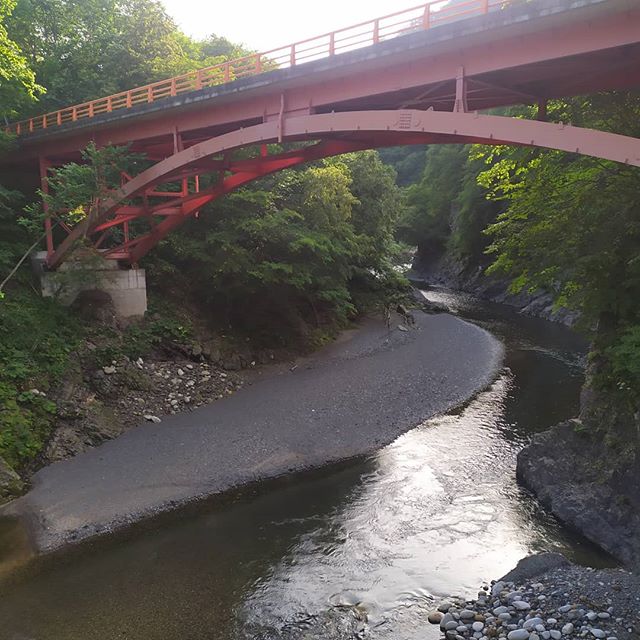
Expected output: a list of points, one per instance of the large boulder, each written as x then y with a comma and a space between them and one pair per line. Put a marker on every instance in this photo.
11, 484
535, 565
589, 483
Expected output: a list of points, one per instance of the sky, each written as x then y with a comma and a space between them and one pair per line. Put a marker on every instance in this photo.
267, 24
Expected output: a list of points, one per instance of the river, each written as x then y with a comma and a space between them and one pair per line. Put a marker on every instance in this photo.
361, 550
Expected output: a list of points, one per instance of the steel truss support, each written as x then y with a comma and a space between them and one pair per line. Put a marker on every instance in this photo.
460, 105
44, 186
337, 133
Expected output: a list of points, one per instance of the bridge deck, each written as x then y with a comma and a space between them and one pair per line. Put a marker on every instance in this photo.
522, 54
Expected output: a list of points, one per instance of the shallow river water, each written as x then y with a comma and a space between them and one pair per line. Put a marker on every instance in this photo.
357, 551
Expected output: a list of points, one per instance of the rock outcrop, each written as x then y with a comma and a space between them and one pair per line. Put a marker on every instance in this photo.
590, 481
10, 483
449, 272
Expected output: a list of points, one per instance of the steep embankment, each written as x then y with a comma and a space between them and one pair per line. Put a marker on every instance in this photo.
350, 399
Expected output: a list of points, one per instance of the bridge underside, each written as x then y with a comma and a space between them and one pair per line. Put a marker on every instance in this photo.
139, 215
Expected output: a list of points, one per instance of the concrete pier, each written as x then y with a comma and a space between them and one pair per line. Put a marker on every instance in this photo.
127, 287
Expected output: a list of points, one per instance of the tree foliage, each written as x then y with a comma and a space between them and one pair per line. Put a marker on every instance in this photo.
408, 162
77, 186
17, 80
85, 49
447, 209
300, 245
572, 227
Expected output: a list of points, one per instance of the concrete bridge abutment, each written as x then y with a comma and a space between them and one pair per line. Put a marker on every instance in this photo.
126, 287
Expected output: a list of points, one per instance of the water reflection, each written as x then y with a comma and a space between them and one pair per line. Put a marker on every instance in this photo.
439, 514
358, 552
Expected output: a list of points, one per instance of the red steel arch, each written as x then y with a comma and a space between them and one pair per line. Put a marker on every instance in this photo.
338, 133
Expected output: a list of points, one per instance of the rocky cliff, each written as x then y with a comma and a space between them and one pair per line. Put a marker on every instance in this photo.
587, 472
446, 270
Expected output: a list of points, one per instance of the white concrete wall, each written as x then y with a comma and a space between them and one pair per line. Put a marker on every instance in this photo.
127, 287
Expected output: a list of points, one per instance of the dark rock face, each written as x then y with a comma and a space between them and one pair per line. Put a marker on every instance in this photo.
10, 483
535, 565
94, 305
589, 482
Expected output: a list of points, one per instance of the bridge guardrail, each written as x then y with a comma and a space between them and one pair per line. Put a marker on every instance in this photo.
364, 34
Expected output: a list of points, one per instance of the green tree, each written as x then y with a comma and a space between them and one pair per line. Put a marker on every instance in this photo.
85, 49
408, 161
75, 187
432, 201
296, 247
17, 80
572, 227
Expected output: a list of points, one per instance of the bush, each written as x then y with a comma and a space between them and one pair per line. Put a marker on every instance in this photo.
624, 361
37, 337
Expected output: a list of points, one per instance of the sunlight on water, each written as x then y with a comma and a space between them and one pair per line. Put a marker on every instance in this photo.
434, 518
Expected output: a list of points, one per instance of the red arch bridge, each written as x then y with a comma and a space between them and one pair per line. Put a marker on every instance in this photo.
424, 75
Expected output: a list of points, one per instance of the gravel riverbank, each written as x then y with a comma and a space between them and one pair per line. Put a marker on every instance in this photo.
547, 598
350, 399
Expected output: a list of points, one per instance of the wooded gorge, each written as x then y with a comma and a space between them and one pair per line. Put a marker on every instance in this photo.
292, 259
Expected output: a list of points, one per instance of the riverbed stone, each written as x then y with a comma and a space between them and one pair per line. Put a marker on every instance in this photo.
435, 617
532, 623
518, 634
446, 618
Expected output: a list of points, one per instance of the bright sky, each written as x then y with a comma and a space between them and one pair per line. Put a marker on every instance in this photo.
267, 24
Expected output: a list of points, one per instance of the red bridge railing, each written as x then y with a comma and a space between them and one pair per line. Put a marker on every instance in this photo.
365, 34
